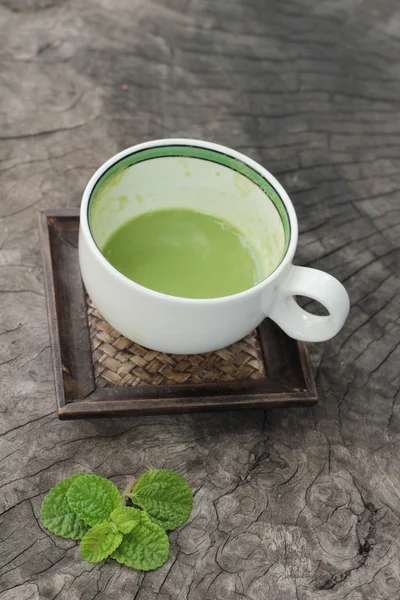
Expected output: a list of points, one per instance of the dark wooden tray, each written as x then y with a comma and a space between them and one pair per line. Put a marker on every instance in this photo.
100, 373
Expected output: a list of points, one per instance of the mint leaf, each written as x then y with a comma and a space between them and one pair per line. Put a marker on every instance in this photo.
126, 518
57, 515
100, 541
93, 498
145, 548
166, 497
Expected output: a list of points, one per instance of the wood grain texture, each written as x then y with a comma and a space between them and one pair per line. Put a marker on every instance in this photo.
290, 505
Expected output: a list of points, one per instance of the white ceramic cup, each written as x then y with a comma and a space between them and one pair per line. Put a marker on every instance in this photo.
213, 179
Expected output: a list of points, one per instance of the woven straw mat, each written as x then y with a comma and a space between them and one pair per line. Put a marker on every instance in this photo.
118, 361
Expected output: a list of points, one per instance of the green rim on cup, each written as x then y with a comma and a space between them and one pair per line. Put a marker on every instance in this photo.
113, 174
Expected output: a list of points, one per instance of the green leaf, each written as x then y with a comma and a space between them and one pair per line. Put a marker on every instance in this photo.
166, 497
93, 498
100, 541
126, 518
57, 515
145, 548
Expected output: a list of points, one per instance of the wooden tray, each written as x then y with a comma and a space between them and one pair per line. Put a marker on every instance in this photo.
100, 373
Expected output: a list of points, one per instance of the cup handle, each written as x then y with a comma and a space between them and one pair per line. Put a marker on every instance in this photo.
315, 284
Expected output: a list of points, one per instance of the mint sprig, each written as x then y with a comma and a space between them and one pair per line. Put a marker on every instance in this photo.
57, 515
93, 498
145, 548
126, 518
165, 496
89, 508
100, 541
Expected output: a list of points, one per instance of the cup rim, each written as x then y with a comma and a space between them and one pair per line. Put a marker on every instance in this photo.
86, 232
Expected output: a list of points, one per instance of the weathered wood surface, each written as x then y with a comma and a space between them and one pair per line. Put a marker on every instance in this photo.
289, 505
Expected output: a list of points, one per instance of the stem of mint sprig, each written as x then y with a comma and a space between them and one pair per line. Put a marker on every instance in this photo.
90, 508
128, 491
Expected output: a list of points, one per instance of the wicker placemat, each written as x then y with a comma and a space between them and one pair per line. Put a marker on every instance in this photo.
118, 361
